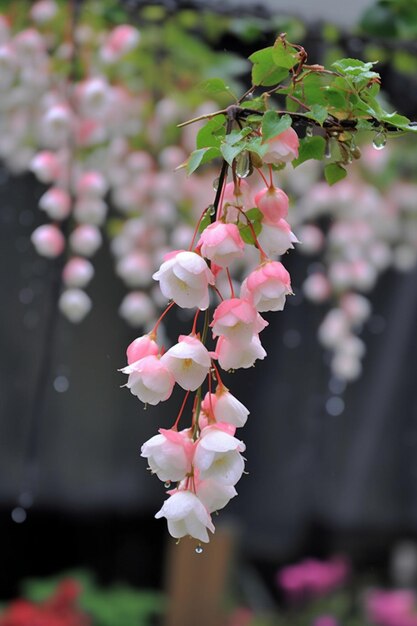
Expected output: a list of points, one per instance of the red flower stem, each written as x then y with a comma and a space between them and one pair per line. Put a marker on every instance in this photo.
257, 244
175, 426
218, 377
196, 229
271, 182
232, 291
155, 328
197, 313
261, 174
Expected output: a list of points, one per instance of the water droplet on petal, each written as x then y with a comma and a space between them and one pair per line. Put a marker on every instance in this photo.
243, 165
379, 141
199, 549
167, 484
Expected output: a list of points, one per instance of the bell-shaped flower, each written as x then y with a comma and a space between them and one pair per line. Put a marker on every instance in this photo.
276, 239
186, 515
233, 356
225, 407
56, 202
149, 379
141, 347
169, 454
221, 243
273, 203
188, 361
282, 148
48, 240
75, 304
214, 495
86, 239
217, 456
237, 319
267, 287
184, 277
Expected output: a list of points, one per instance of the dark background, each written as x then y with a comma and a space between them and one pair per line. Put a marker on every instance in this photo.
317, 483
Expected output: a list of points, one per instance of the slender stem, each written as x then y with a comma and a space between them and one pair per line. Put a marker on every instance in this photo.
161, 317
232, 291
249, 223
175, 426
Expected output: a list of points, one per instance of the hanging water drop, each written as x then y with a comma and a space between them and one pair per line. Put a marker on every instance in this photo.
309, 130
243, 165
380, 140
216, 183
211, 209
167, 484
328, 150
199, 549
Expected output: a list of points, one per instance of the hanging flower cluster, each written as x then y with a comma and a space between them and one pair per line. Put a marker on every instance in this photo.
205, 460
100, 141
354, 231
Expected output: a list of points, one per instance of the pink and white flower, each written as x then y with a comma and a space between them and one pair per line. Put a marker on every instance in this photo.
86, 239
77, 272
141, 347
225, 407
217, 456
273, 203
213, 494
169, 454
56, 202
267, 287
277, 238
282, 148
186, 515
75, 304
232, 356
221, 243
149, 379
237, 319
188, 361
184, 277
48, 240
121, 40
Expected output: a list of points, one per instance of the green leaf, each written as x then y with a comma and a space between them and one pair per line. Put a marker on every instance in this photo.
273, 124
246, 231
284, 55
310, 148
229, 153
198, 157
214, 85
237, 135
210, 135
334, 172
264, 71
206, 221
318, 113
355, 67
400, 121
255, 215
